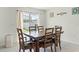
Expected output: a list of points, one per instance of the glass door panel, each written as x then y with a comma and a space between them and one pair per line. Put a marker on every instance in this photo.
25, 21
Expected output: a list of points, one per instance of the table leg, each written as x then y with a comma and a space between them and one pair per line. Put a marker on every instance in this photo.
31, 45
37, 46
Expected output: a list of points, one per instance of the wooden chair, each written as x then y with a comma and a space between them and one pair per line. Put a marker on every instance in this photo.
32, 28
48, 38
23, 45
58, 31
40, 28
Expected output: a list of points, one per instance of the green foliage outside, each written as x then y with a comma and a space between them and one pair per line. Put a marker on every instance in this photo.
25, 29
25, 20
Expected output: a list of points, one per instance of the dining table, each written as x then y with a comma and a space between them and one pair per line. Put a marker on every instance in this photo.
36, 36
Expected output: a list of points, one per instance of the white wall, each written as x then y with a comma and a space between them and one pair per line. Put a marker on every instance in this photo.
69, 22
8, 22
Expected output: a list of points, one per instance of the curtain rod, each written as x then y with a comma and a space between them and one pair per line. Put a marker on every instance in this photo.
21, 11
27, 11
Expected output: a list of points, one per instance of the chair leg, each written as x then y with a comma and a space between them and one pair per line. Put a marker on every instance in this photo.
60, 45
44, 49
19, 50
23, 50
55, 47
51, 48
30, 50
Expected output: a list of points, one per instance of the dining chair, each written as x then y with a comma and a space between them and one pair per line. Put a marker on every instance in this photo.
48, 38
58, 32
40, 28
23, 43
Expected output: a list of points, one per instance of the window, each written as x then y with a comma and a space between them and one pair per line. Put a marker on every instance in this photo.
34, 19
29, 19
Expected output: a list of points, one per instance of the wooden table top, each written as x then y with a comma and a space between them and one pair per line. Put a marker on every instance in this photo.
36, 34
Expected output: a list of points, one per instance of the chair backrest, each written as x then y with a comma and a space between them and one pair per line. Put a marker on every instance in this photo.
58, 31
32, 28
58, 28
40, 28
20, 36
48, 34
